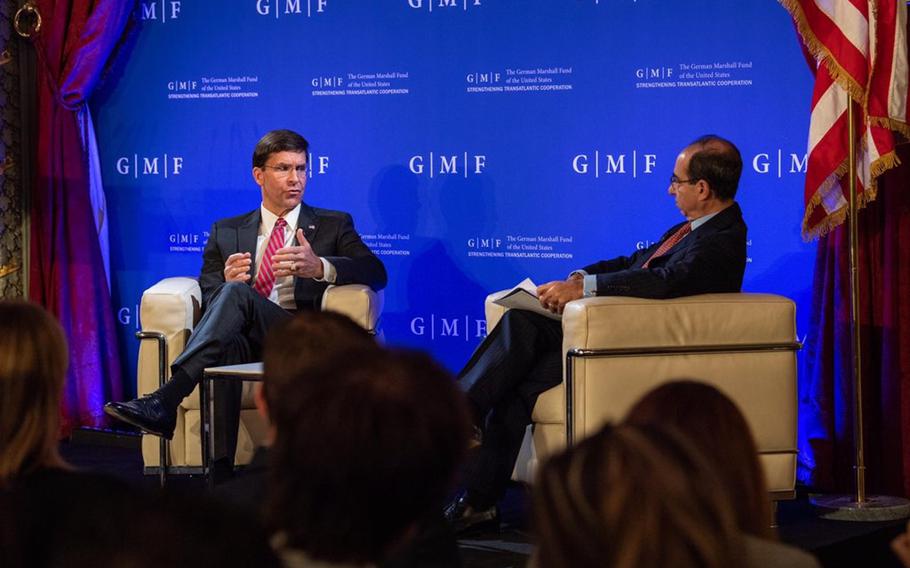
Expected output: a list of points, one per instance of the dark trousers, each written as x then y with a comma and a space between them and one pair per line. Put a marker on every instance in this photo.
232, 331
521, 358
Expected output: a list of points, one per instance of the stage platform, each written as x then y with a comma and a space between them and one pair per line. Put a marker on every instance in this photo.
837, 544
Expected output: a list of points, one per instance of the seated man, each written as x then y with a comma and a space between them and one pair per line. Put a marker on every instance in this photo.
257, 269
522, 356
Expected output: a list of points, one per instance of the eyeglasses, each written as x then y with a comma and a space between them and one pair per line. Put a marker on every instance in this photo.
284, 170
676, 181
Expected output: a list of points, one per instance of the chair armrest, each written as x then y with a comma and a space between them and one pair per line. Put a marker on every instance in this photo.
494, 312
617, 322
357, 301
170, 307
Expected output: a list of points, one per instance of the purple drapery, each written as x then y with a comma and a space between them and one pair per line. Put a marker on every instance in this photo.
826, 394
67, 275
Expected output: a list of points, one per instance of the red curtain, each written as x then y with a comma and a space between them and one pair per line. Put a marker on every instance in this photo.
826, 392
67, 274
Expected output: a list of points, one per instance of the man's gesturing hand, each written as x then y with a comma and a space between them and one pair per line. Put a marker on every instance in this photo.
297, 261
555, 295
237, 267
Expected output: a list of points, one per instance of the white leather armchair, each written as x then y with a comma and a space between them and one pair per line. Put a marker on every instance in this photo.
168, 312
618, 348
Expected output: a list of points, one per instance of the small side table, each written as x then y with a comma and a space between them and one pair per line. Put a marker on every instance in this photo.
243, 372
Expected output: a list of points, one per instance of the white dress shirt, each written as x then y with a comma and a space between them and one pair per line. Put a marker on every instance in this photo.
283, 290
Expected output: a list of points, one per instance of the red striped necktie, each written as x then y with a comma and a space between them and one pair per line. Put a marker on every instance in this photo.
265, 278
669, 243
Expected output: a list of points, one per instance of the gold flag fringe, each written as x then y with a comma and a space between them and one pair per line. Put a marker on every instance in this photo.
836, 218
890, 124
830, 221
884, 163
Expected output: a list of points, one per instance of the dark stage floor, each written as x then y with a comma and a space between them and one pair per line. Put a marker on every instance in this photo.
835, 543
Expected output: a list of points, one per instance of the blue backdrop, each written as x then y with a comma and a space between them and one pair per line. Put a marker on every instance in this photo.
475, 142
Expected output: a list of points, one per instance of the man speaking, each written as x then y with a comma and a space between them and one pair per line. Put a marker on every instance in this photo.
257, 270
522, 356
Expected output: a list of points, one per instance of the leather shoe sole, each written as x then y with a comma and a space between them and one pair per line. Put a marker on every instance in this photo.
125, 414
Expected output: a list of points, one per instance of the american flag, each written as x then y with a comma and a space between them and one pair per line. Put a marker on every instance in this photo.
860, 48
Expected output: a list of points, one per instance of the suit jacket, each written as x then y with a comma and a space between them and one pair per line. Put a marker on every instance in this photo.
331, 234
710, 259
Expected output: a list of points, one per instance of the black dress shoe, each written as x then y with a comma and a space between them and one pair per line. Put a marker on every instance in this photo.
148, 413
466, 519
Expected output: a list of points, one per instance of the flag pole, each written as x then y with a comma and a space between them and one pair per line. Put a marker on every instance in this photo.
855, 339
859, 506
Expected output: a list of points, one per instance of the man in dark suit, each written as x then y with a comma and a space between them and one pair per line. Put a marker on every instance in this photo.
257, 270
522, 356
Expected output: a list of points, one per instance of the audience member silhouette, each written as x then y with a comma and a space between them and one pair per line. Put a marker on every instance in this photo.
33, 362
632, 496
713, 423
717, 428
362, 453
296, 351
52, 515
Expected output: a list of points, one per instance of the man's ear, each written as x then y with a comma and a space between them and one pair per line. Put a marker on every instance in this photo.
257, 175
704, 190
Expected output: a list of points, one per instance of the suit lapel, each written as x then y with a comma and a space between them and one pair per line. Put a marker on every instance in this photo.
308, 222
719, 221
247, 233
